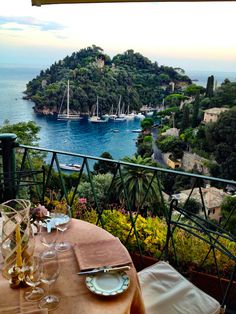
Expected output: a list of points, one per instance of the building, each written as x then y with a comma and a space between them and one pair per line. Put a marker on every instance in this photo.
212, 114
173, 163
212, 197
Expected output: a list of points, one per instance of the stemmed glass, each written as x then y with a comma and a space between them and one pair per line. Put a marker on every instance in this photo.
32, 278
48, 236
49, 272
62, 218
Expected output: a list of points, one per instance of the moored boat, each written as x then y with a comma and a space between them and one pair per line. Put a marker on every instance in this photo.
67, 115
120, 115
139, 116
70, 167
96, 118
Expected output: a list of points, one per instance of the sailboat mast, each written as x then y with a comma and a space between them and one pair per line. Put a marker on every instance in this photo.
119, 106
68, 98
97, 106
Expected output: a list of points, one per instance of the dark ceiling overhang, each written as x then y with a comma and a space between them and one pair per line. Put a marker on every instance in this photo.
45, 2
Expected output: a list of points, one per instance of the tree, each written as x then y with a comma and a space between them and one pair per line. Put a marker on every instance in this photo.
222, 152
229, 205
185, 120
193, 89
192, 206
225, 95
145, 148
101, 183
27, 132
171, 144
195, 110
210, 86
147, 123
103, 167
136, 182
220, 140
174, 100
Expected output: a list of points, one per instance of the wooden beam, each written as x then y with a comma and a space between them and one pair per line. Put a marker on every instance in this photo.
45, 2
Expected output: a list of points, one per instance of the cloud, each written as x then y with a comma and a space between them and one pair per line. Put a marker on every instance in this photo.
30, 22
13, 28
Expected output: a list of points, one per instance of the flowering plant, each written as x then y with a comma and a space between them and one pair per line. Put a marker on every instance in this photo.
38, 213
151, 232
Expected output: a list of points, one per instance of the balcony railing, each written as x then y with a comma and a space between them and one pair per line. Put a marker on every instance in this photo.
138, 206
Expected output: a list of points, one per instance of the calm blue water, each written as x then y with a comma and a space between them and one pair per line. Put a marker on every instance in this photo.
79, 137
202, 76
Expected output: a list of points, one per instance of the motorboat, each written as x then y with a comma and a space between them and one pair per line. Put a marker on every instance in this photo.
70, 167
140, 116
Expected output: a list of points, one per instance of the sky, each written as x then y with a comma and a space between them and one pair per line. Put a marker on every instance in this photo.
193, 36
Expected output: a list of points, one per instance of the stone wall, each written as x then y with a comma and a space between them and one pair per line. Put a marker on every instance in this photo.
190, 161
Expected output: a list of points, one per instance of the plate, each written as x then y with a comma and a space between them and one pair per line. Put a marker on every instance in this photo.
108, 284
53, 221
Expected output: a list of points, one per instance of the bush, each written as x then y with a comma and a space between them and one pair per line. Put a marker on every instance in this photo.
191, 251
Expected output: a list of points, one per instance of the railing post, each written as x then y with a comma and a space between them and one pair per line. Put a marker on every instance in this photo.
7, 150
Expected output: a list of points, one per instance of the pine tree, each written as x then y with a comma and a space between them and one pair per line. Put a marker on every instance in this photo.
185, 121
210, 86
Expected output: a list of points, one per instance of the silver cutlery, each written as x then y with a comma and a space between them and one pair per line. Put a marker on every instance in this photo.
104, 270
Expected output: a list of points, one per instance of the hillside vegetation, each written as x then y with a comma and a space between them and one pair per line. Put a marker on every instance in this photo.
93, 73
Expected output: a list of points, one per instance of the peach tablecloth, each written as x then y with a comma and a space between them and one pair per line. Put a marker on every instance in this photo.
75, 298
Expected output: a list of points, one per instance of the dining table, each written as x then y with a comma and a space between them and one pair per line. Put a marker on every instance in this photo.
71, 288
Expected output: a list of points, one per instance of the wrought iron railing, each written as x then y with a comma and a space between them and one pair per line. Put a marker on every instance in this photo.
160, 229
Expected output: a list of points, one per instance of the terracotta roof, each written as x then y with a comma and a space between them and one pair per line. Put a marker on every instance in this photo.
212, 196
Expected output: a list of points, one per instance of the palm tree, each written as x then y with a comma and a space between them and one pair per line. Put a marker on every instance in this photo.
136, 181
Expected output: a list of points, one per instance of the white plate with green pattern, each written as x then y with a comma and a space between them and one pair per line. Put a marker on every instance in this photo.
108, 284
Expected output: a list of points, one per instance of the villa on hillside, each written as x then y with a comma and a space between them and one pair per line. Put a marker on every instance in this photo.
212, 114
212, 197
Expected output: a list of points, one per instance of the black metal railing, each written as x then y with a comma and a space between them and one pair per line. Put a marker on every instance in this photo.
159, 228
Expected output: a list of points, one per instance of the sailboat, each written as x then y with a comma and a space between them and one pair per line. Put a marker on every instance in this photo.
129, 116
67, 115
96, 118
120, 116
111, 114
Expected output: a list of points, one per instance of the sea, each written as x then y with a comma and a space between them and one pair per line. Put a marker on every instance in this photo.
82, 137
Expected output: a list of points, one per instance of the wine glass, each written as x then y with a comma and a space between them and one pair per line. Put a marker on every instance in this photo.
49, 272
48, 234
32, 278
62, 219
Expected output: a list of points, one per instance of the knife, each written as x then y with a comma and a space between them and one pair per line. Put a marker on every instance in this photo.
104, 270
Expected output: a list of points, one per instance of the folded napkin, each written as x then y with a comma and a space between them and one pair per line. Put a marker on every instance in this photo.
38, 311
108, 252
